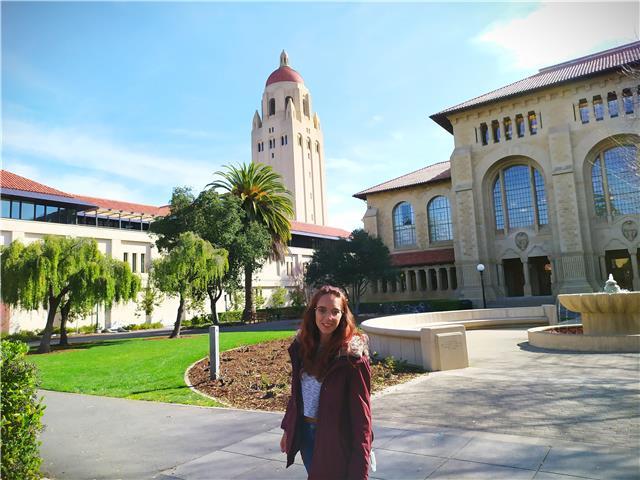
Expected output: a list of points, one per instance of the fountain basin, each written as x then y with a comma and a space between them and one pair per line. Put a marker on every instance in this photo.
606, 313
546, 337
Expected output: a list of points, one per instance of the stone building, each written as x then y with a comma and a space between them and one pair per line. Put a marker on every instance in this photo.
542, 188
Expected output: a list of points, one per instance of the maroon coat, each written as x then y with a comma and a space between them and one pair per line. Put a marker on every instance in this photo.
343, 434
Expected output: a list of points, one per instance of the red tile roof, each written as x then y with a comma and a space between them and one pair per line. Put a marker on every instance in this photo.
583, 67
300, 227
424, 257
127, 207
16, 182
433, 173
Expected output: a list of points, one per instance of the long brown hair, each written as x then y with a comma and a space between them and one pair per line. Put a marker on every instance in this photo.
317, 364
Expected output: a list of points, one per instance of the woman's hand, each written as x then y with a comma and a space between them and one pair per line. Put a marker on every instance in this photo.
283, 442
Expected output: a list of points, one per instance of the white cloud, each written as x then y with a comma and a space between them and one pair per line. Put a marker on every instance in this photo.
344, 165
557, 32
77, 148
347, 218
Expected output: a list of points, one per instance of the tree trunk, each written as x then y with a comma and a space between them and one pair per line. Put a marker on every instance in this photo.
214, 292
176, 326
45, 343
64, 316
249, 312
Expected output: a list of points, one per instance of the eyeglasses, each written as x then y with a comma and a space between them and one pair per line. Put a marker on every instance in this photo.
334, 312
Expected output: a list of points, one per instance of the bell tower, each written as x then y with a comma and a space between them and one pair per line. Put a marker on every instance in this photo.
286, 135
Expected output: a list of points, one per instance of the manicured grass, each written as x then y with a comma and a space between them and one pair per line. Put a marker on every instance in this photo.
143, 369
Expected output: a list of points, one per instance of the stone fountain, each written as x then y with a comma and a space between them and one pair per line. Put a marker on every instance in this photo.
610, 322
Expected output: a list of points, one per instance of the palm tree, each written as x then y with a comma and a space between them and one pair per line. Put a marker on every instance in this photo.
266, 201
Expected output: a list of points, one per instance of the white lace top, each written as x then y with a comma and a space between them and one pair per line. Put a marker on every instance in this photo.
310, 395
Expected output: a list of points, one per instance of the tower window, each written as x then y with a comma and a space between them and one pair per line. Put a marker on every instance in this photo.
305, 106
282, 140
508, 128
627, 101
495, 131
583, 106
612, 104
272, 106
598, 108
533, 123
484, 133
285, 140
259, 149
520, 125
286, 100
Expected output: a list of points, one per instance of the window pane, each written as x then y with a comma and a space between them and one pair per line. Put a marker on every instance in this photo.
40, 215
598, 108
622, 167
584, 111
497, 205
517, 186
6, 208
541, 198
15, 209
51, 214
598, 189
439, 219
612, 101
404, 230
26, 212
627, 101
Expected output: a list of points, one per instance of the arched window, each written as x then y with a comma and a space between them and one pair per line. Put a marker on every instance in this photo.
272, 106
286, 100
519, 198
612, 103
439, 219
404, 225
615, 178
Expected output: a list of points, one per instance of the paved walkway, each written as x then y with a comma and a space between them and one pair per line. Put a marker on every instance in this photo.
515, 413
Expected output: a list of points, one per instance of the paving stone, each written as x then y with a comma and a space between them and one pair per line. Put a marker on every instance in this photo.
217, 466
395, 465
382, 436
598, 463
509, 454
433, 444
554, 476
274, 470
460, 470
264, 445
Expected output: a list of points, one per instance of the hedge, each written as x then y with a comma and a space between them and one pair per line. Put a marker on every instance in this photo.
21, 413
433, 305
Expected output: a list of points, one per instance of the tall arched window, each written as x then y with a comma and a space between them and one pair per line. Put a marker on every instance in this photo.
615, 178
272, 106
404, 225
519, 198
439, 219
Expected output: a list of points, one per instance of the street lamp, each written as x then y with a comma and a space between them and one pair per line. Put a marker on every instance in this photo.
480, 268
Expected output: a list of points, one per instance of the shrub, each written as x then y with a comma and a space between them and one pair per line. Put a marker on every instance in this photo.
297, 297
144, 326
278, 298
21, 413
21, 336
232, 316
87, 329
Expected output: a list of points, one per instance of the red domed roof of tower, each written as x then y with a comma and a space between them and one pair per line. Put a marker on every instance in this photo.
284, 73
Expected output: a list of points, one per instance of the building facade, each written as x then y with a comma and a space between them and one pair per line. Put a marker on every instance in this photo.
542, 188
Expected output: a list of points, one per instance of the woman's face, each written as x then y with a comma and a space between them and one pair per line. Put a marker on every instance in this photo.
328, 315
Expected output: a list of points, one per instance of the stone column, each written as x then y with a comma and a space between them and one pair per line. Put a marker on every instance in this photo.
527, 278
567, 223
448, 270
603, 268
633, 253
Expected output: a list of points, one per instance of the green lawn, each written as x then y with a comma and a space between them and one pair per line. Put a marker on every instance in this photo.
142, 369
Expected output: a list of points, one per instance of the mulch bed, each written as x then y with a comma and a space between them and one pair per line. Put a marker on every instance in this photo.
566, 330
258, 376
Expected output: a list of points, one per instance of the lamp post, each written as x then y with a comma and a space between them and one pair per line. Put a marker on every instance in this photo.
480, 268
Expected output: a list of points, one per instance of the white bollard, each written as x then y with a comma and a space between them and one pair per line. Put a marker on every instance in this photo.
214, 352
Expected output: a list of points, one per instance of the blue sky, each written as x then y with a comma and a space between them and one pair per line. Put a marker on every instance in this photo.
128, 100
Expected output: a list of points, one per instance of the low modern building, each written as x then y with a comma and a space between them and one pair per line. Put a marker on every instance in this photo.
31, 210
542, 188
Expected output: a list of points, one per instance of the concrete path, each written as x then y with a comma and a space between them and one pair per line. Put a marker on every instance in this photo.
515, 413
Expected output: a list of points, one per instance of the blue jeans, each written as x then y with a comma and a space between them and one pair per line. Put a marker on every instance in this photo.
307, 444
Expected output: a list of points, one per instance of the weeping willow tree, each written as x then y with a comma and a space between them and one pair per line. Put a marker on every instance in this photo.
58, 272
191, 265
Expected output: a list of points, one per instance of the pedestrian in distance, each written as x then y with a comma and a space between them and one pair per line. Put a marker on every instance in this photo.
328, 417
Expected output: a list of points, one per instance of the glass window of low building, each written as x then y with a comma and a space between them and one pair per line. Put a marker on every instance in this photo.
51, 213
612, 103
40, 213
583, 106
525, 202
439, 219
627, 101
6, 208
27, 211
15, 209
142, 265
615, 179
598, 108
404, 228
134, 262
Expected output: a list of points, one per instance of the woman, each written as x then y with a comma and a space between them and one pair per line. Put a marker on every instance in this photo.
328, 418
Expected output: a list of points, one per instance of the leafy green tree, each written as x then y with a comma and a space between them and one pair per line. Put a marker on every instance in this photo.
150, 299
187, 270
351, 264
278, 297
218, 219
56, 270
266, 202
